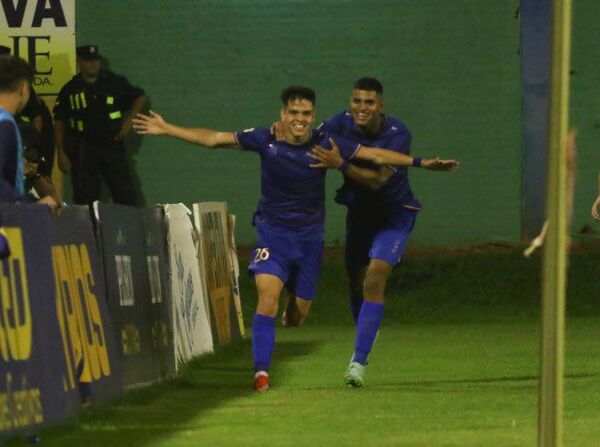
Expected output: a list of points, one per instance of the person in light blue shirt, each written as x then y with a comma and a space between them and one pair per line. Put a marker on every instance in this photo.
15, 89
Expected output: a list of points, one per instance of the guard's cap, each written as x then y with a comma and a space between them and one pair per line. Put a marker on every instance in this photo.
88, 52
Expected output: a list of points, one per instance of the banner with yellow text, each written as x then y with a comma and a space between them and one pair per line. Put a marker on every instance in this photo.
90, 352
32, 366
43, 33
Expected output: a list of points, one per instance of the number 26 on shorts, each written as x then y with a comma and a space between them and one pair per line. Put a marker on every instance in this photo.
261, 254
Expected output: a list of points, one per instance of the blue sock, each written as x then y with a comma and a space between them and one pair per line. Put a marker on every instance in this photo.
355, 304
263, 340
369, 320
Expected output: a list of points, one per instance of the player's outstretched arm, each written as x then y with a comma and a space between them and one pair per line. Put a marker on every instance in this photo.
154, 124
332, 159
380, 156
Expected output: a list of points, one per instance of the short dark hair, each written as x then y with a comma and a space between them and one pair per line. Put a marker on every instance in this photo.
13, 70
297, 92
369, 84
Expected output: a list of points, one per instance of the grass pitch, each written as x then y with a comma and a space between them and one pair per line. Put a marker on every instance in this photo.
456, 364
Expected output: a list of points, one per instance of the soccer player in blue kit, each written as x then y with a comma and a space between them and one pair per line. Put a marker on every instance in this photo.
380, 218
291, 211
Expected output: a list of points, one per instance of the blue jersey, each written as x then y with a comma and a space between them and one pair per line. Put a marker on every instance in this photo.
292, 200
396, 192
11, 160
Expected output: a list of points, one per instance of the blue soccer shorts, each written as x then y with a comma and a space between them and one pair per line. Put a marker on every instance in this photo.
296, 262
377, 237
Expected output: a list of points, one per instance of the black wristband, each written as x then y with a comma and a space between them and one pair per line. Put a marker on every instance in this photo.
417, 162
344, 166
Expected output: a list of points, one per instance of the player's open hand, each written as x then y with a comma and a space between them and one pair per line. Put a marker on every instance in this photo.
152, 124
435, 164
277, 130
326, 158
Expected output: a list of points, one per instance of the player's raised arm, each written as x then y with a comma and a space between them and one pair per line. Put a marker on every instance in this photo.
154, 124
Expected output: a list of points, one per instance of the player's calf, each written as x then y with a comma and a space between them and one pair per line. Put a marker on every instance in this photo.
369, 319
263, 327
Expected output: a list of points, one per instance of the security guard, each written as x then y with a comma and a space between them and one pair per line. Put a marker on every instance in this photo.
92, 119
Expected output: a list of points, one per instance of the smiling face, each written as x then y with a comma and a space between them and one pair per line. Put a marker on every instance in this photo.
366, 107
297, 118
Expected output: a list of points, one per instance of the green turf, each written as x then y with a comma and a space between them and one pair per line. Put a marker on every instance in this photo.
455, 365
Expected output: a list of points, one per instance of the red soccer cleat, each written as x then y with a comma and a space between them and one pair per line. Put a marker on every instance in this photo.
261, 381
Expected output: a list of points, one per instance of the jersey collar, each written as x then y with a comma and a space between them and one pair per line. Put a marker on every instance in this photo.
361, 133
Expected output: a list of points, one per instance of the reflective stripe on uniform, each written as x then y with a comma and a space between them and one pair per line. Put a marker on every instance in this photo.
115, 115
83, 101
25, 119
72, 102
80, 126
77, 101
72, 123
110, 100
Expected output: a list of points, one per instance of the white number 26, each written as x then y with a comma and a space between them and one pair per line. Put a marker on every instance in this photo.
261, 254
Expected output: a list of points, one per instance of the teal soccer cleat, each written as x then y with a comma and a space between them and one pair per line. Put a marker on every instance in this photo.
354, 375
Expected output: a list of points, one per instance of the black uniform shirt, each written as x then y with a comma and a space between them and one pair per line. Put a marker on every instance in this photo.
95, 111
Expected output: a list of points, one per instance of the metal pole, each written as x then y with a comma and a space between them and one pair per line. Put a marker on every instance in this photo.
555, 253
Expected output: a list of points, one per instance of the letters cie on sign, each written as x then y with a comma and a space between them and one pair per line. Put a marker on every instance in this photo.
15, 12
79, 315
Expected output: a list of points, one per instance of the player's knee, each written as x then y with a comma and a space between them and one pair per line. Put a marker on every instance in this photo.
374, 285
267, 305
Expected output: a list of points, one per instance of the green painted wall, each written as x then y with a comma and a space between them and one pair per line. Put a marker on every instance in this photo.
450, 69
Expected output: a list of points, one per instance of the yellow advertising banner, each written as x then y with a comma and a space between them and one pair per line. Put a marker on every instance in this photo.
43, 33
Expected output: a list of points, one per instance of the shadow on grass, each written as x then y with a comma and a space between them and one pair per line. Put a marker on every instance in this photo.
480, 381
144, 416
